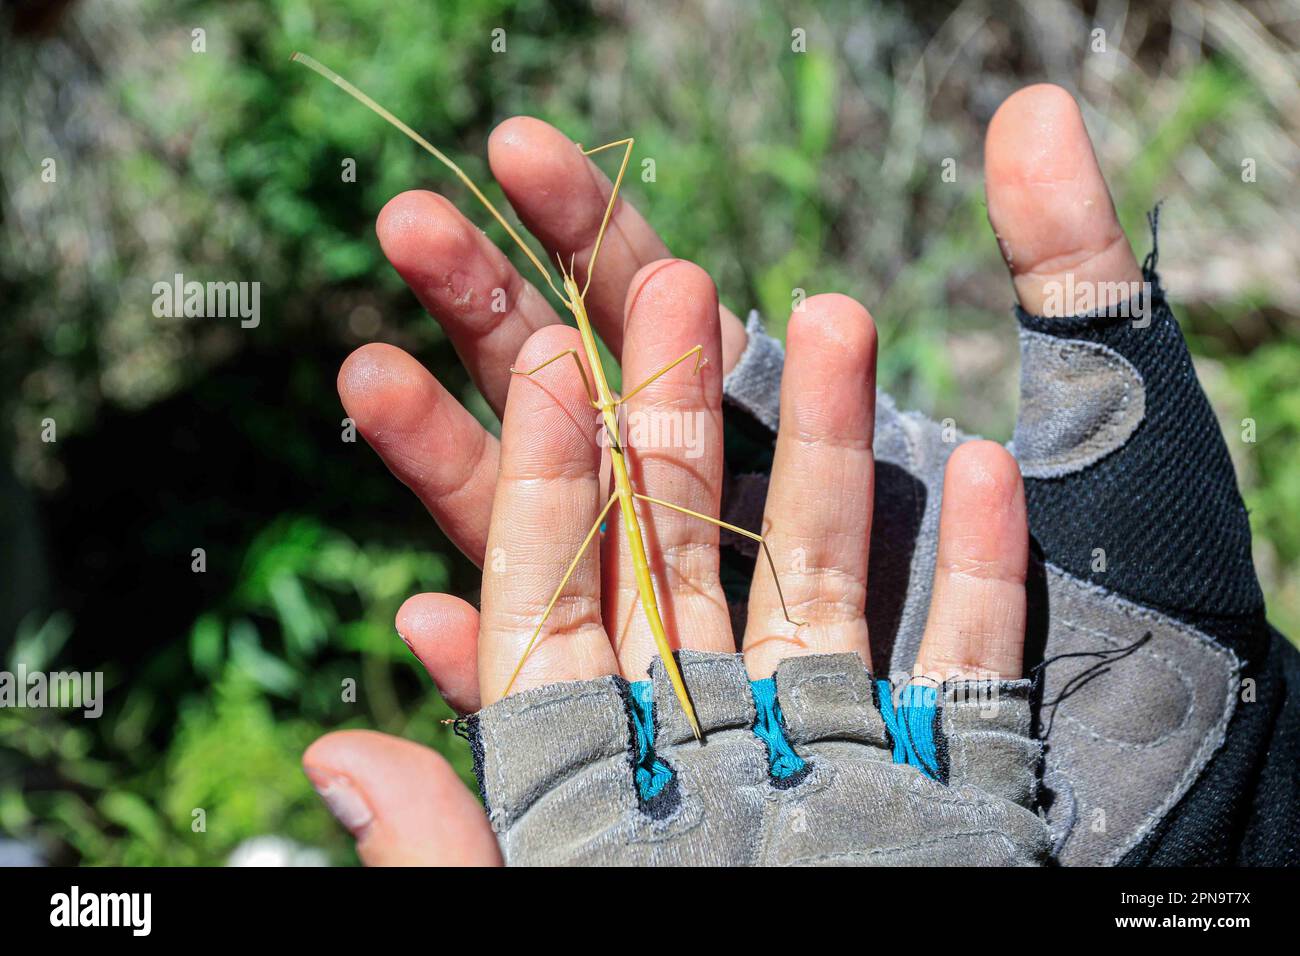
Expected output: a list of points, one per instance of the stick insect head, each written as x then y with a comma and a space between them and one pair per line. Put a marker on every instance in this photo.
572, 293
571, 290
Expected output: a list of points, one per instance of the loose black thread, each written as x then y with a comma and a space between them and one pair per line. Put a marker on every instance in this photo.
1106, 657
1153, 257
467, 728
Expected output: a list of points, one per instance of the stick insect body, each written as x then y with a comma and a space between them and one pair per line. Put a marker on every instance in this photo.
601, 399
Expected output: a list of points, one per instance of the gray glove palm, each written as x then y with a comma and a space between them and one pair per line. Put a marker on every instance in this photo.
800, 769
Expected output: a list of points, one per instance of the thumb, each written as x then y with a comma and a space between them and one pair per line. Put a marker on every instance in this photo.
1127, 477
402, 802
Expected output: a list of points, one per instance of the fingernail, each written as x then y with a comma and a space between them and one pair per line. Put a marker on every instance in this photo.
342, 800
407, 641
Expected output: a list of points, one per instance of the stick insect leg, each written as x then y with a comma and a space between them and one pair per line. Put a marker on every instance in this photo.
550, 606
626, 141
737, 530
591, 395
700, 362
613, 197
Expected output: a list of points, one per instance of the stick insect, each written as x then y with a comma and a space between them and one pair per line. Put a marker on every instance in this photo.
598, 394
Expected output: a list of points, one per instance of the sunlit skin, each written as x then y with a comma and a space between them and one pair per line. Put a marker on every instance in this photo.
601, 399
649, 311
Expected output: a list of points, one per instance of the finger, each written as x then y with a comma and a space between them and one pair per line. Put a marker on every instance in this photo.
402, 803
976, 627
673, 430
561, 195
1048, 202
432, 444
818, 515
485, 306
548, 497
442, 633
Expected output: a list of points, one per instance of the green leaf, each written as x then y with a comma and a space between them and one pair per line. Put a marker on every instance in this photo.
130, 811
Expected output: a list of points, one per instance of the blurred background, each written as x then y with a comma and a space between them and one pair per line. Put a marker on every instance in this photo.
819, 170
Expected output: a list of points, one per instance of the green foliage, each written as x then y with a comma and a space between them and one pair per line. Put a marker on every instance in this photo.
1268, 383
775, 171
267, 671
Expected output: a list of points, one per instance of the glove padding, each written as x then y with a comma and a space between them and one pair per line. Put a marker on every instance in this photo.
603, 772
1143, 601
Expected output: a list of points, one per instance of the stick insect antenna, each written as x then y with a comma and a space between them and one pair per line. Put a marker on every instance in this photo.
437, 154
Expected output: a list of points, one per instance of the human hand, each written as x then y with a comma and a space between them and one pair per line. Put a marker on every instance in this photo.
1057, 229
818, 518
